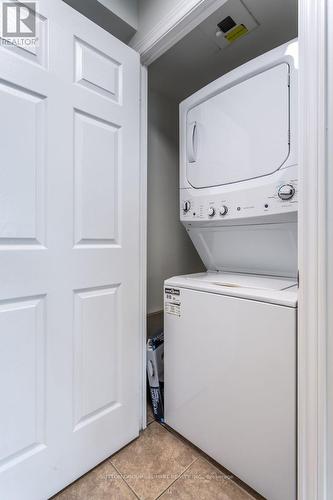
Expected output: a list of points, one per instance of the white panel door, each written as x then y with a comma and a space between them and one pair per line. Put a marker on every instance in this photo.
69, 253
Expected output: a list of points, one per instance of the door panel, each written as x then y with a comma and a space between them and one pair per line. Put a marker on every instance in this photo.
69, 253
240, 133
96, 338
22, 355
96, 152
21, 206
96, 71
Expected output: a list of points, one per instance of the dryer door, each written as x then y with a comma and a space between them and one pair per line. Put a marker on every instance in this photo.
242, 132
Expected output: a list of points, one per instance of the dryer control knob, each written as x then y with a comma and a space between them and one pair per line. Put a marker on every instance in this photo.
211, 212
223, 210
186, 206
286, 192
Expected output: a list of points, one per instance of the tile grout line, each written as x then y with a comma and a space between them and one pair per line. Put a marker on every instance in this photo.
206, 459
180, 475
166, 489
200, 456
251, 497
122, 477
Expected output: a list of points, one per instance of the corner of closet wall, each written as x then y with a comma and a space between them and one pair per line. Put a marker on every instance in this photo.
170, 251
118, 17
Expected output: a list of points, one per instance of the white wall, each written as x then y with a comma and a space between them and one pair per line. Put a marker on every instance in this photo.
128, 10
170, 251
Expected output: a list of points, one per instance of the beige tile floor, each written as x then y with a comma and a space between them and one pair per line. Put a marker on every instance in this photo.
156, 465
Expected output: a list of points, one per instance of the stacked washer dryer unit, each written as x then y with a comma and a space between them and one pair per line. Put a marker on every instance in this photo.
230, 333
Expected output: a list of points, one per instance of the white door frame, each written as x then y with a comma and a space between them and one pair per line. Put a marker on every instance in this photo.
315, 233
143, 236
316, 277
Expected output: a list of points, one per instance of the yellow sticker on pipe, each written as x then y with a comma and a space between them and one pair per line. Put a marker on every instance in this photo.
236, 33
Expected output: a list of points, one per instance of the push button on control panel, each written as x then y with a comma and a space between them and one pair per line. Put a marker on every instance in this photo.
286, 192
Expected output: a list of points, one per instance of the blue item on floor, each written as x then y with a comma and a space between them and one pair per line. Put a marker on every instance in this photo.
155, 371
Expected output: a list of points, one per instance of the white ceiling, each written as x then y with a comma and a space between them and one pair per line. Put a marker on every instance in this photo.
196, 60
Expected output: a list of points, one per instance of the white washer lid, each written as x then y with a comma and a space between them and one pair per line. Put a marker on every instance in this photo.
270, 289
245, 281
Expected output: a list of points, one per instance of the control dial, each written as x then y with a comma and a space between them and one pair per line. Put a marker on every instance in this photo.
223, 210
211, 212
186, 206
286, 192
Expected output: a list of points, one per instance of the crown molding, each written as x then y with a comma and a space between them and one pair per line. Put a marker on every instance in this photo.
175, 25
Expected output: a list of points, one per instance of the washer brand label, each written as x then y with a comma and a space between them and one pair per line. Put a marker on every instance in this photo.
172, 301
172, 291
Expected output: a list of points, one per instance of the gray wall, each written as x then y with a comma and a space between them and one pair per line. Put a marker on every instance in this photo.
128, 10
170, 251
119, 19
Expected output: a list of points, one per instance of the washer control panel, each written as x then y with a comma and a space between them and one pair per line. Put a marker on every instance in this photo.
227, 204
